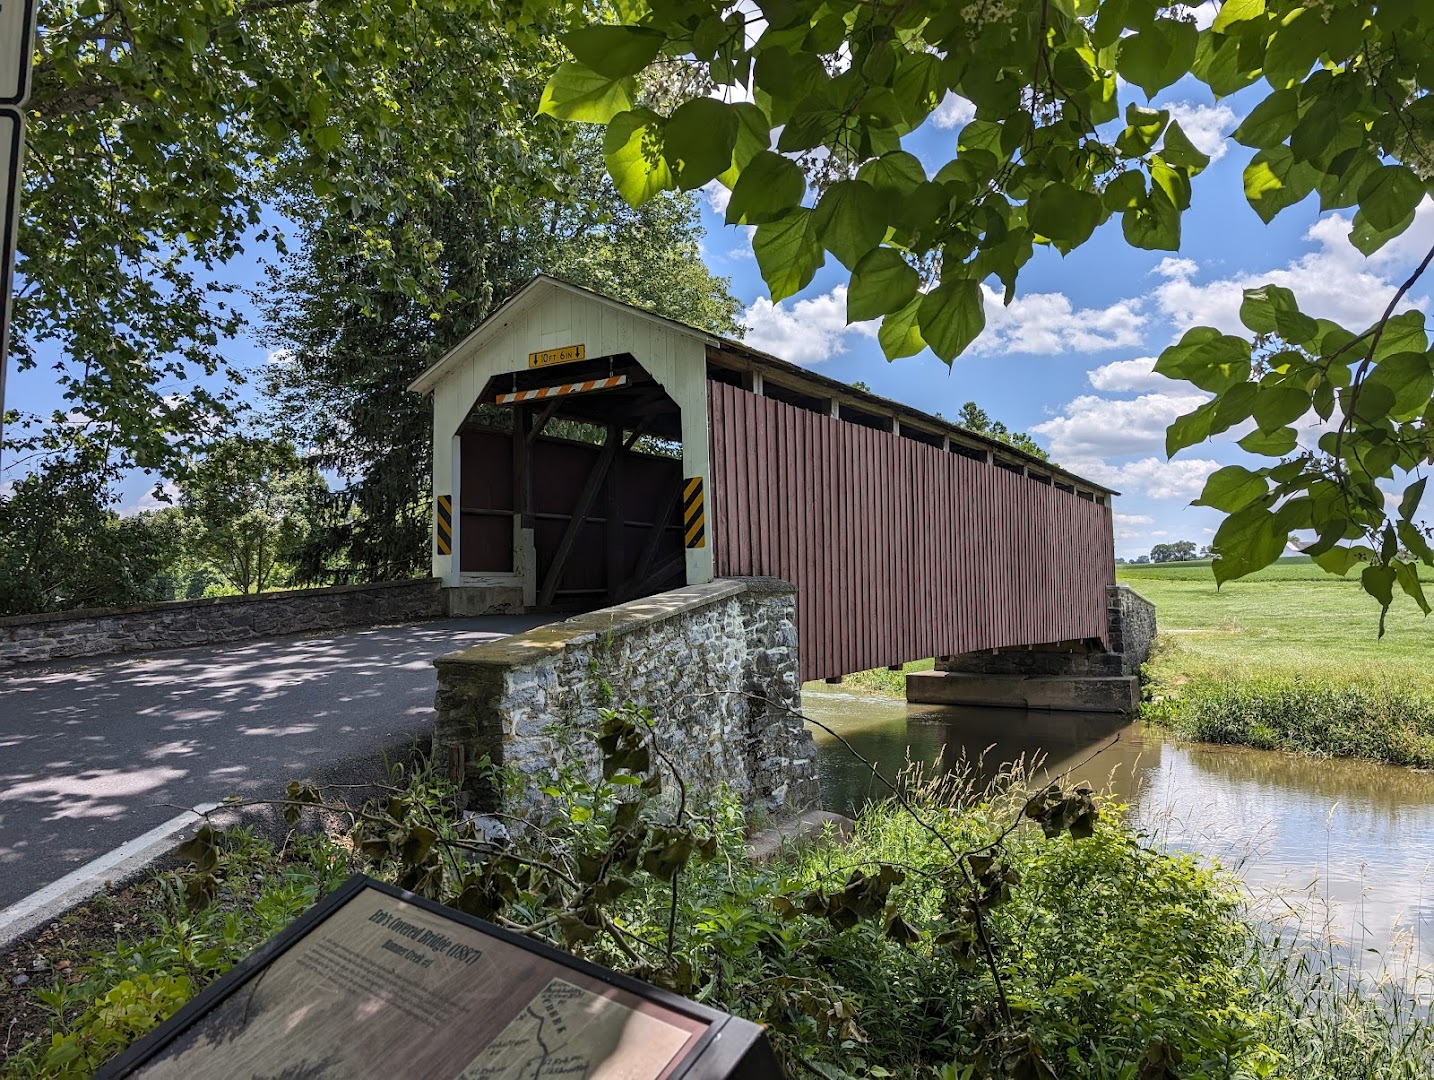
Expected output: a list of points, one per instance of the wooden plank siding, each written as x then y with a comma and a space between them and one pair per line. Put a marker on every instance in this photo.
900, 550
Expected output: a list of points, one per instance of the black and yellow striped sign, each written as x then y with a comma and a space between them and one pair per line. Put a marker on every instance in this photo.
694, 513
445, 525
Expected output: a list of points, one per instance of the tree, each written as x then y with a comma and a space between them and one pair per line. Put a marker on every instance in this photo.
973, 418
62, 545
351, 344
245, 501
815, 97
161, 136
1180, 551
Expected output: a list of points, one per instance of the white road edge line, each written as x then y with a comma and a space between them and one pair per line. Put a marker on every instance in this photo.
79, 885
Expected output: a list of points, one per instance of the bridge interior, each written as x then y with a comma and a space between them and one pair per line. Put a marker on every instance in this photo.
582, 486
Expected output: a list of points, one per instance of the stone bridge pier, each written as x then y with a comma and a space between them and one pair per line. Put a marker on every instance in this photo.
1077, 676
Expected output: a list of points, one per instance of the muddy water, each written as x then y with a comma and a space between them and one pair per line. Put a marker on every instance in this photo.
1340, 851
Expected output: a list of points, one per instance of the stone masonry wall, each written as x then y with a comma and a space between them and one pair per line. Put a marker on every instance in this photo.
1132, 626
101, 631
716, 664
1131, 621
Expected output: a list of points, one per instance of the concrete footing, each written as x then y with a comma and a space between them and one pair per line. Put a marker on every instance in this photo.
1107, 694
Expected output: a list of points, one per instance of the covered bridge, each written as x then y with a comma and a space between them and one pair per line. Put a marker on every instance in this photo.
587, 452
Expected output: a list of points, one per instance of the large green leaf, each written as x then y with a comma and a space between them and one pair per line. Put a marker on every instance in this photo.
1408, 378
1157, 56
895, 175
788, 253
1389, 195
1153, 223
614, 51
1061, 213
850, 220
576, 92
768, 188
1270, 122
1272, 309
1233, 12
1211, 360
900, 334
1232, 488
1276, 443
1275, 180
1402, 333
1189, 429
1177, 149
952, 315
699, 141
1277, 406
881, 283
1368, 239
1247, 540
632, 148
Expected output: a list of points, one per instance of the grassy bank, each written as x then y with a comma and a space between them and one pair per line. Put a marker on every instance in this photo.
1110, 957
1288, 659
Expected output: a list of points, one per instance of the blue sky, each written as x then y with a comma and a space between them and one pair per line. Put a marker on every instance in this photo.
1069, 361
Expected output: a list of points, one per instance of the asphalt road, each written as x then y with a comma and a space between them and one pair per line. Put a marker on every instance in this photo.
96, 752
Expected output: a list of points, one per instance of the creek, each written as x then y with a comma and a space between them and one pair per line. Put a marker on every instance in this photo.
1338, 852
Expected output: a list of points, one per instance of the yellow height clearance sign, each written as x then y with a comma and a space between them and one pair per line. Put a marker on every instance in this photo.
565, 355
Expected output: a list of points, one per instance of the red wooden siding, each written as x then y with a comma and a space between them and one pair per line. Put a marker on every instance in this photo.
900, 550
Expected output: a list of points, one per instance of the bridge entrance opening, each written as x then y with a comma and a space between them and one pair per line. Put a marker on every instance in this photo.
570, 483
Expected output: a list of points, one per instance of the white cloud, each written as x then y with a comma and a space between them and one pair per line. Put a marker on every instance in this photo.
1334, 281
953, 112
148, 501
1151, 476
807, 332
278, 356
1048, 323
717, 196
743, 250
1096, 428
1129, 526
1206, 125
1137, 374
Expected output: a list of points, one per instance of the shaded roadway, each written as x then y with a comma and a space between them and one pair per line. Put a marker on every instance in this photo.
96, 752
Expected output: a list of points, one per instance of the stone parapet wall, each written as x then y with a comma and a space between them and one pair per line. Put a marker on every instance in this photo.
144, 628
716, 664
1132, 626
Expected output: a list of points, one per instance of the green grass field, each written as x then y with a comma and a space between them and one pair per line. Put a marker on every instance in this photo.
1288, 619
1288, 659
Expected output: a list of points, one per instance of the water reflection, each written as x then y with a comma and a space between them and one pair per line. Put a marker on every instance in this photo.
1336, 848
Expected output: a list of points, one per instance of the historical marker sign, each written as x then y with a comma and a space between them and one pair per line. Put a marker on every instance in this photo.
379, 983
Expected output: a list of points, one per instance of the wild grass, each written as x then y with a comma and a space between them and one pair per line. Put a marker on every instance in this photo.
1116, 957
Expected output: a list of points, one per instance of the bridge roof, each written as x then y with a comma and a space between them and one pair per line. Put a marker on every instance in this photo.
732, 353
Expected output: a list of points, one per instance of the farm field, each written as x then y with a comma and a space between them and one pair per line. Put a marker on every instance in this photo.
1290, 619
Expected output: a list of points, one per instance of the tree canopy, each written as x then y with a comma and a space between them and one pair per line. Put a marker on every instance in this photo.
164, 141
799, 107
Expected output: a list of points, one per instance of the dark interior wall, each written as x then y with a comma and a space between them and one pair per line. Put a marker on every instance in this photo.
605, 559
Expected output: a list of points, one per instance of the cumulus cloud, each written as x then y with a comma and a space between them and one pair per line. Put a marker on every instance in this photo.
953, 112
806, 332
1206, 125
1151, 476
1334, 281
1137, 374
717, 196
1048, 323
1132, 526
1096, 428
